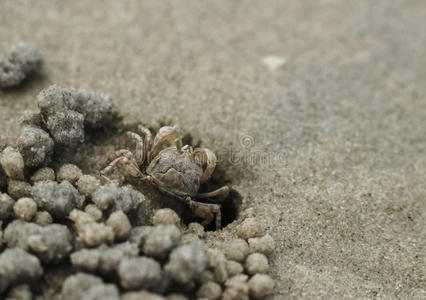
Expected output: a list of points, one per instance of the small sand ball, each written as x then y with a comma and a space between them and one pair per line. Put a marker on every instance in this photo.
94, 234
260, 285
165, 216
43, 218
256, 263
69, 172
87, 185
21, 60
58, 199
25, 209
217, 262
117, 198
36, 243
161, 240
94, 211
120, 224
80, 218
139, 272
82, 286
43, 174
99, 109
237, 250
18, 189
236, 288
264, 245
12, 163
233, 268
197, 229
210, 290
17, 265
35, 145
186, 263
176, 297
90, 232
250, 227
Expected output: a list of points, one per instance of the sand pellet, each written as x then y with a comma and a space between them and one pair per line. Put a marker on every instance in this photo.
25, 208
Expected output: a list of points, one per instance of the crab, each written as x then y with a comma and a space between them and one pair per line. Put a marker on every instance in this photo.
174, 169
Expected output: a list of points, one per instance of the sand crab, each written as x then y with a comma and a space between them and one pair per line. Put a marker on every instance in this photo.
176, 170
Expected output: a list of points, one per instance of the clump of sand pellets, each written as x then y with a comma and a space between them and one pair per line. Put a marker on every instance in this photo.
66, 112
20, 61
72, 218
113, 258
62, 118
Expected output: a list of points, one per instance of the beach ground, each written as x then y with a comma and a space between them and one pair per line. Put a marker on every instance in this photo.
316, 109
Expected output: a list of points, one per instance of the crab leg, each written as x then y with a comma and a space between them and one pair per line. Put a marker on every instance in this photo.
123, 152
221, 193
206, 211
140, 147
147, 141
206, 156
125, 158
166, 134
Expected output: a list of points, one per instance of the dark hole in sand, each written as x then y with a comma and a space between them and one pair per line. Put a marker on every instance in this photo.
229, 210
231, 205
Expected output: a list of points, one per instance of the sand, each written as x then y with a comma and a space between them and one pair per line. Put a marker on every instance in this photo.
325, 142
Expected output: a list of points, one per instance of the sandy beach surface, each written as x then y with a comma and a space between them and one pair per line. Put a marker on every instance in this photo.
316, 109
